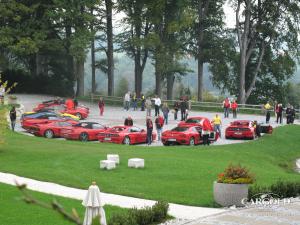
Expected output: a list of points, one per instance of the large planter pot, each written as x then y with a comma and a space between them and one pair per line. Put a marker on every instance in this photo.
12, 100
230, 194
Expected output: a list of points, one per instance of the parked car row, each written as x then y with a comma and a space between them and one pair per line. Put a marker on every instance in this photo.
44, 122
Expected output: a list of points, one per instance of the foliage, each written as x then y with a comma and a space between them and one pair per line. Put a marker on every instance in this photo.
149, 215
236, 174
122, 87
5, 84
283, 189
292, 94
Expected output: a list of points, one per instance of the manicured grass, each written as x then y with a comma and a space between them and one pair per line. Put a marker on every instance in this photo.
175, 174
14, 211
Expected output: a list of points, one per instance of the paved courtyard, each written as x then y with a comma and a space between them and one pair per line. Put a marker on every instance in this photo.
116, 116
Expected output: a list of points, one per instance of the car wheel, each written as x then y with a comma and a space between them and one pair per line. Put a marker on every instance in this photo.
49, 134
192, 141
166, 144
226, 137
84, 137
79, 115
127, 141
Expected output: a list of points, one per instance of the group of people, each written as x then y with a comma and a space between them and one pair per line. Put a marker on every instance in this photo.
131, 100
279, 110
227, 105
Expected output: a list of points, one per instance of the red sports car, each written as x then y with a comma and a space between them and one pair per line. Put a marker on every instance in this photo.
85, 131
125, 135
49, 130
195, 121
241, 129
185, 135
29, 120
81, 112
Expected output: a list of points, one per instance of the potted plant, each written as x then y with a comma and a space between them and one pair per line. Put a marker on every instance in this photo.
231, 186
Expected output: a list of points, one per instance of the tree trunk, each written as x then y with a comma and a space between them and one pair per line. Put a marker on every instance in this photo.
200, 34
110, 47
158, 74
70, 58
93, 66
242, 91
138, 74
80, 77
170, 85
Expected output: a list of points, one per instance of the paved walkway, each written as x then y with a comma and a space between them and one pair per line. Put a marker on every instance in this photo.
178, 211
284, 213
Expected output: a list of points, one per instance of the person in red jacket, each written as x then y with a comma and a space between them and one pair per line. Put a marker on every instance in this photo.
226, 106
159, 123
234, 107
149, 126
206, 129
101, 106
69, 104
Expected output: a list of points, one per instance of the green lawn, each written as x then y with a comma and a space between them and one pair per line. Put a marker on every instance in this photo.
174, 174
14, 211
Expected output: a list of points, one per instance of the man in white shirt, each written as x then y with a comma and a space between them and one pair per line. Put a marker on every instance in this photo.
2, 92
127, 100
157, 103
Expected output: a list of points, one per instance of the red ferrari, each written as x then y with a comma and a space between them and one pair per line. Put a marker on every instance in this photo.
81, 112
241, 129
30, 120
185, 135
49, 130
195, 121
124, 135
85, 131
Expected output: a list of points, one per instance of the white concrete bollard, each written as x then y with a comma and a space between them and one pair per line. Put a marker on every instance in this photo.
107, 164
136, 163
113, 157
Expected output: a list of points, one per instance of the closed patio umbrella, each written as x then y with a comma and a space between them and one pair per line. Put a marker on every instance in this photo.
93, 205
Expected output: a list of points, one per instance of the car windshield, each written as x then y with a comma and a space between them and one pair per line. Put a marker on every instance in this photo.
193, 120
97, 126
135, 129
63, 124
180, 129
117, 129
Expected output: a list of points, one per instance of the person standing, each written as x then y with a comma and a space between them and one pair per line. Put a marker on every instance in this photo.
288, 114
101, 106
128, 121
148, 105
226, 106
75, 102
159, 123
134, 101
149, 126
69, 104
157, 103
13, 117
127, 100
2, 93
278, 111
165, 110
183, 108
293, 115
205, 132
234, 107
176, 108
143, 102
268, 107
217, 122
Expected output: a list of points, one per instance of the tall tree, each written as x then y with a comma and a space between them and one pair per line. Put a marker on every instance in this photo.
261, 24
206, 31
135, 38
110, 47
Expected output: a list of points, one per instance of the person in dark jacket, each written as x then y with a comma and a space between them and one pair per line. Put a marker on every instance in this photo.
278, 111
176, 108
288, 114
183, 108
128, 121
13, 117
149, 126
293, 115
75, 102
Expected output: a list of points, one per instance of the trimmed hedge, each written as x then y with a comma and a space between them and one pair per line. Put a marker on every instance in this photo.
156, 214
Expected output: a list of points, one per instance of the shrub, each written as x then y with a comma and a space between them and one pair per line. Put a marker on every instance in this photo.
236, 174
145, 216
280, 188
160, 211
